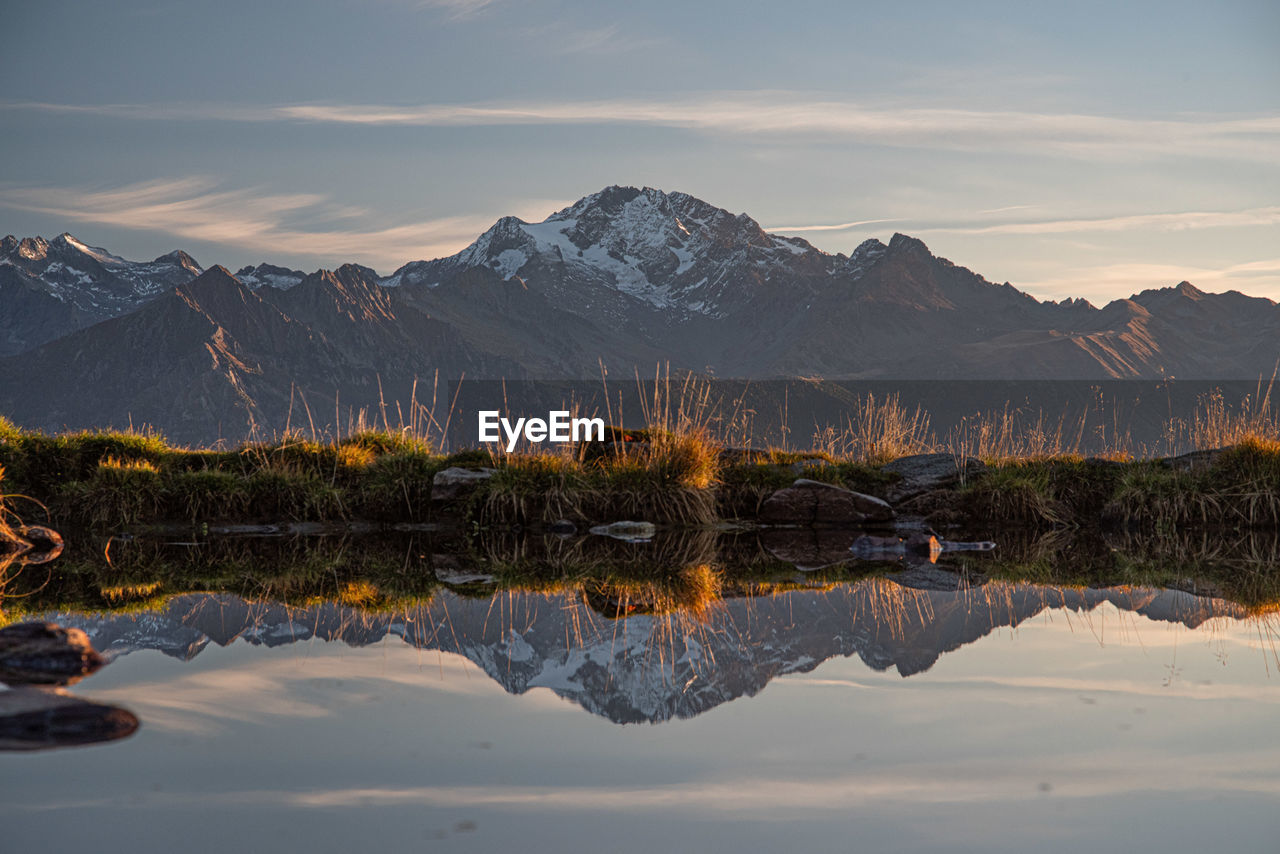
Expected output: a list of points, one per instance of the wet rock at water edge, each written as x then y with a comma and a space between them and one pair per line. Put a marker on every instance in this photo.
454, 482
46, 654
919, 545
808, 549
631, 532
449, 569
808, 502
32, 544
446, 575
562, 527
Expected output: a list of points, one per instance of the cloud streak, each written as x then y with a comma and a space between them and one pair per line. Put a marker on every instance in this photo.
251, 219
837, 227
1154, 221
779, 113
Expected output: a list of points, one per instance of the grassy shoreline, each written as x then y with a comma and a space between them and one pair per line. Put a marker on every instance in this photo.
117, 480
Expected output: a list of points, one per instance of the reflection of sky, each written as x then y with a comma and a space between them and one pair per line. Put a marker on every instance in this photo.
1102, 730
1081, 149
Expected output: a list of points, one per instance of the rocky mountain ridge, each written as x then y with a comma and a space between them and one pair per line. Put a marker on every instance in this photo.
628, 278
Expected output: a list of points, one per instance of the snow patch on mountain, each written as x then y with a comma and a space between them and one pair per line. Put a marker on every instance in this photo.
92, 279
269, 275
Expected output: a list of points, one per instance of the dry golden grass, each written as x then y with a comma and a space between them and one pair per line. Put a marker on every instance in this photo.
1219, 425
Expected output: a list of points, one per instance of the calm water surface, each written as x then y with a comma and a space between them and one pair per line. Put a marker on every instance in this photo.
873, 716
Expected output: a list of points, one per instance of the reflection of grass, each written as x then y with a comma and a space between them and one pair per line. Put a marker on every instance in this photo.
1243, 568
681, 579
138, 574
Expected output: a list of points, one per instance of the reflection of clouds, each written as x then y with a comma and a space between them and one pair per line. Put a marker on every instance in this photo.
976, 782
293, 688
994, 780
983, 685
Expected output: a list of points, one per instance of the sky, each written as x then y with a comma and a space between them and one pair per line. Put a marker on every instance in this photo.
1075, 150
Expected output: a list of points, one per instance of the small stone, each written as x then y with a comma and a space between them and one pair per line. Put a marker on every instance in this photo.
460, 576
562, 526
631, 532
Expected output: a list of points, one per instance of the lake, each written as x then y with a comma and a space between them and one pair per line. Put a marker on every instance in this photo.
917, 709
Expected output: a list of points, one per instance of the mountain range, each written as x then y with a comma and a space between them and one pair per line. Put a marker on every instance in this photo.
649, 669
628, 278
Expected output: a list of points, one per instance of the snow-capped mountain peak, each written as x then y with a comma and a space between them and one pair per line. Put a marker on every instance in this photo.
90, 283
667, 251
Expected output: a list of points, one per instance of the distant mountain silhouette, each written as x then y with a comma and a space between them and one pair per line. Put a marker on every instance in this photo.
628, 277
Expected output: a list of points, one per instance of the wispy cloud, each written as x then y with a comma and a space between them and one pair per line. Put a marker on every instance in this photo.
252, 219
1176, 221
1008, 208
1180, 221
568, 38
837, 227
784, 113
456, 9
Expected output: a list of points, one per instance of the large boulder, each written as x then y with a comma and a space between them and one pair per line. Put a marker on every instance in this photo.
808, 502
921, 473
454, 482
1194, 461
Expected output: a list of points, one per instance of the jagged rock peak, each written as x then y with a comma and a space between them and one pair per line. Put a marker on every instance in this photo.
32, 248
906, 243
182, 259
1188, 290
1183, 289
281, 278
1070, 302
630, 208
217, 274
368, 274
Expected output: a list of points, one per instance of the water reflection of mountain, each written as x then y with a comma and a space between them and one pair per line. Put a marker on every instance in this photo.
647, 667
